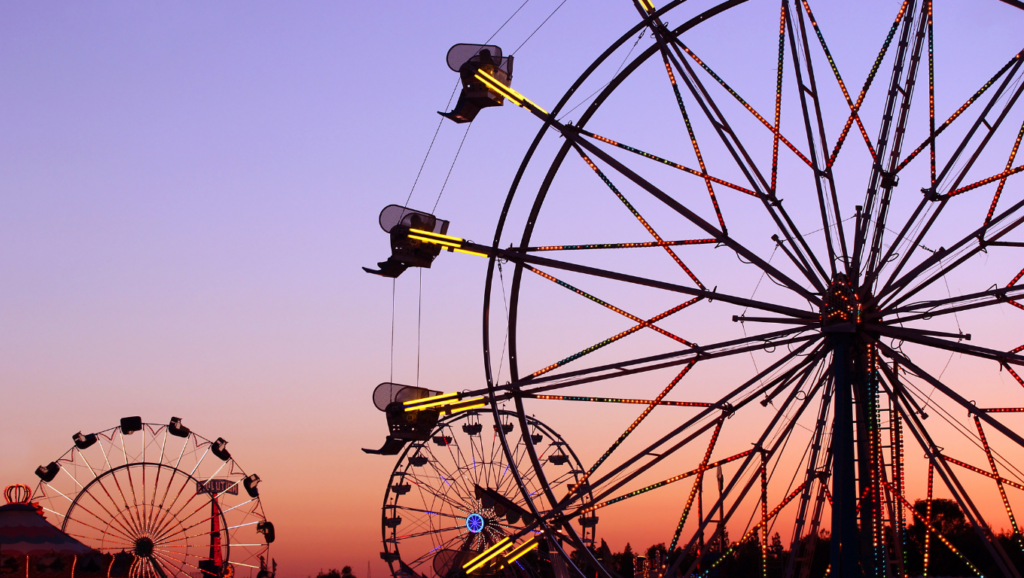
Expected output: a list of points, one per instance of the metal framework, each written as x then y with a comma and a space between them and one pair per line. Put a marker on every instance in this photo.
857, 302
452, 497
161, 500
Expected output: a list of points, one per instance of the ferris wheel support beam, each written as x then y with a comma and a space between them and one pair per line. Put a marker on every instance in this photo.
845, 555
948, 476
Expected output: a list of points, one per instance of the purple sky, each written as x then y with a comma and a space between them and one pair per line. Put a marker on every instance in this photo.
188, 192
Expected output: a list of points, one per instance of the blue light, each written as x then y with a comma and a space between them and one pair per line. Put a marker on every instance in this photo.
475, 523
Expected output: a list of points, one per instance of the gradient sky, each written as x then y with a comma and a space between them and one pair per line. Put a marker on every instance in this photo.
188, 192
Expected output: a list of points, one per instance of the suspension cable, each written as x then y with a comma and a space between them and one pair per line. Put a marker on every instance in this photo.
539, 27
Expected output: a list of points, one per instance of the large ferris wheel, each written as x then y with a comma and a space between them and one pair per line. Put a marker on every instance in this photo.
161, 501
846, 238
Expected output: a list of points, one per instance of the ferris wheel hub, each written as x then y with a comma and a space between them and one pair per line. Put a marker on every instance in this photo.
144, 547
475, 523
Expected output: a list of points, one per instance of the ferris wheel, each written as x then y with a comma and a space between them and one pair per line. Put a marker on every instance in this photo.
793, 288
161, 500
453, 494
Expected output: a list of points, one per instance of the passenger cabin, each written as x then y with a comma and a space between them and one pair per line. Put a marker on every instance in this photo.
467, 60
405, 252
403, 426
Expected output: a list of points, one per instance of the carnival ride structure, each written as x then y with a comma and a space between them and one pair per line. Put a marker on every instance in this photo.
178, 503
846, 417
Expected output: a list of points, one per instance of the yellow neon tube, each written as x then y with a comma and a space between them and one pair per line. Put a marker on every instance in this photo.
432, 234
483, 562
486, 552
647, 5
434, 241
522, 552
488, 79
470, 252
468, 407
500, 89
432, 404
428, 399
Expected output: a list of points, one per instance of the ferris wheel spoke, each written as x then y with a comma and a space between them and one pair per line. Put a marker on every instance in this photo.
905, 362
962, 303
805, 257
103, 506
643, 415
168, 518
678, 45
459, 485
638, 216
953, 485
814, 125
759, 448
104, 532
1014, 63
672, 164
427, 512
665, 56
534, 387
881, 183
444, 498
854, 114
444, 475
614, 338
867, 84
532, 259
1002, 181
607, 305
595, 246
690, 216
991, 128
129, 518
895, 285
696, 483
443, 545
723, 405
165, 509
430, 532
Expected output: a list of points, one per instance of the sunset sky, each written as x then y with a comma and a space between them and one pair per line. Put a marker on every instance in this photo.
188, 192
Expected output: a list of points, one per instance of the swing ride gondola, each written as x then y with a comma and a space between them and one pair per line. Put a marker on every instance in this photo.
855, 417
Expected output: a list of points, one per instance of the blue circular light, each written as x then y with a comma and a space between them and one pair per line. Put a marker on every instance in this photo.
475, 523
